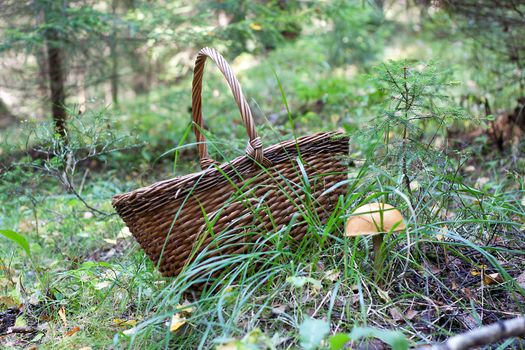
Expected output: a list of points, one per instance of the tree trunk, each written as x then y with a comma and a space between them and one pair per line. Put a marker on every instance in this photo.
42, 80
114, 58
56, 83
6, 117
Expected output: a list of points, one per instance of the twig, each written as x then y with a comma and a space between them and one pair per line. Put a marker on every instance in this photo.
94, 210
485, 335
12, 330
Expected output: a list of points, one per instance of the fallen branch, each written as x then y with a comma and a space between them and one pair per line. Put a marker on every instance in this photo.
485, 335
21, 329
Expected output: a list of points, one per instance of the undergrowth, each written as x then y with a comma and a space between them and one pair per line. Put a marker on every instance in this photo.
84, 282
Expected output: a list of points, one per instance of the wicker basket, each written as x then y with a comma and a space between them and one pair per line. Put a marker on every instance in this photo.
257, 193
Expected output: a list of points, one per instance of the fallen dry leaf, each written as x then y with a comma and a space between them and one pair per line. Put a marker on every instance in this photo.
332, 275
279, 309
62, 314
186, 308
383, 295
396, 314
354, 299
468, 320
110, 241
468, 293
125, 232
442, 232
454, 285
73, 331
102, 285
493, 278
480, 182
177, 321
410, 314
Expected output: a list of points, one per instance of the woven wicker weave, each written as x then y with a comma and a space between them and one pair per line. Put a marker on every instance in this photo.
259, 192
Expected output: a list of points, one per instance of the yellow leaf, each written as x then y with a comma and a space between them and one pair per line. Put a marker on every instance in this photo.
122, 323
176, 322
62, 314
131, 323
255, 26
185, 308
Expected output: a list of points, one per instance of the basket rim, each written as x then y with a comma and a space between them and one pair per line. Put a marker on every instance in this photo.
120, 199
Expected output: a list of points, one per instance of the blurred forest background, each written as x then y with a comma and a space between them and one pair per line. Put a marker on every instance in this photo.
134, 58
95, 100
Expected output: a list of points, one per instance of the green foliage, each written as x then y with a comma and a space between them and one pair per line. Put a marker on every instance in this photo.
395, 339
415, 110
255, 27
352, 24
312, 332
69, 24
416, 94
17, 238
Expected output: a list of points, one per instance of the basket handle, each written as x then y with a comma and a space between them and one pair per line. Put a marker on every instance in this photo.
254, 149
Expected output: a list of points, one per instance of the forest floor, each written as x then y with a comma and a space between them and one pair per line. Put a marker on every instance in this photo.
85, 283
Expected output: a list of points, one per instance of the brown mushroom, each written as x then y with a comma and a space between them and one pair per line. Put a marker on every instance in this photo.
374, 219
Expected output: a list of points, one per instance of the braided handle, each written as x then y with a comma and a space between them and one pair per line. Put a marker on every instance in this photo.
254, 148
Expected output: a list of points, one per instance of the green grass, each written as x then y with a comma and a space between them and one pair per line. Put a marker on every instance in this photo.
87, 266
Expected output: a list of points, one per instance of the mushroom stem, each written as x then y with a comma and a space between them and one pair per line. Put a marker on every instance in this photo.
378, 242
378, 253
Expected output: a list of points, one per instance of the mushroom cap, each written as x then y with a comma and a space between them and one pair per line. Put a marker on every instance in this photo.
373, 219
